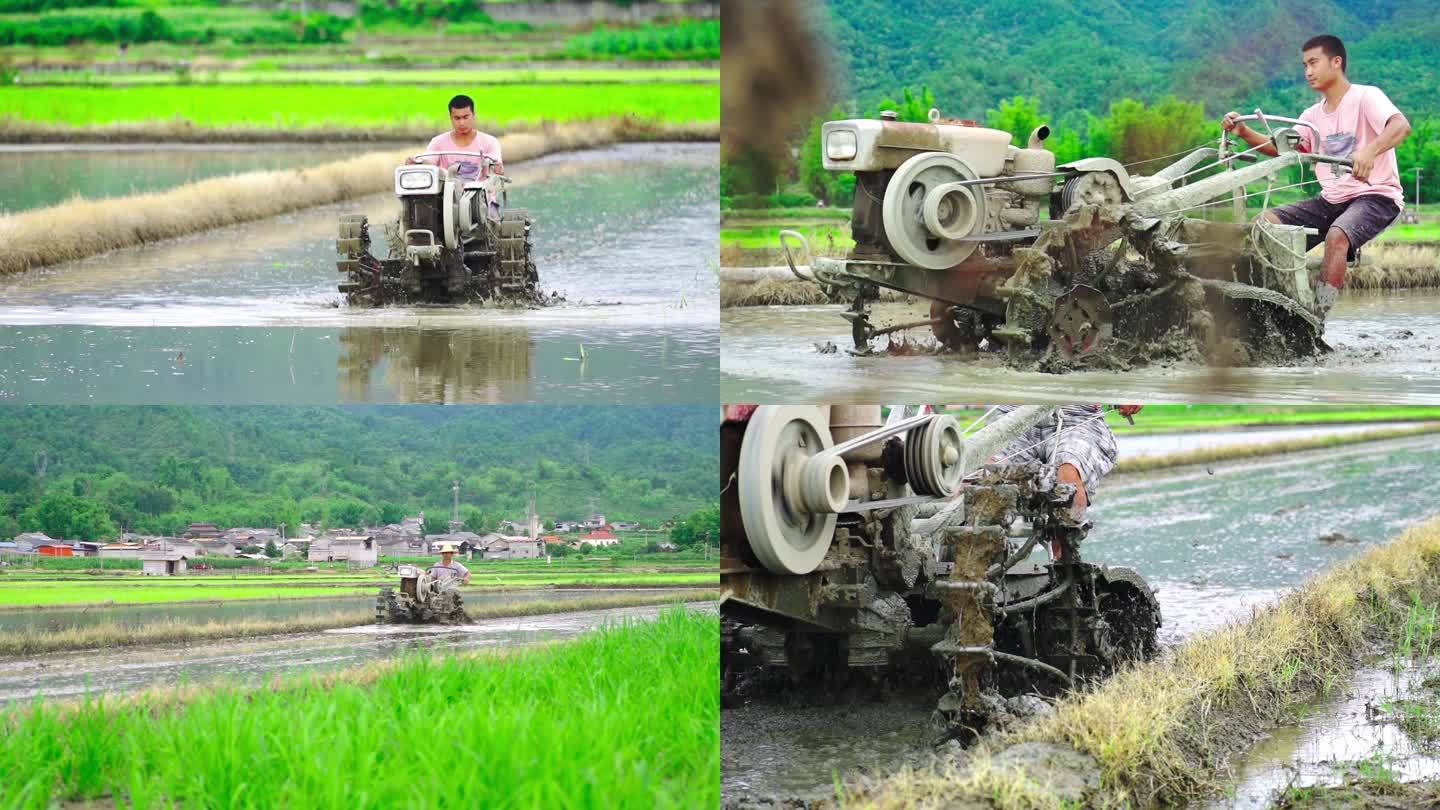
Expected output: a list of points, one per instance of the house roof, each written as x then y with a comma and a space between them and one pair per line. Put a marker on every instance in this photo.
599, 534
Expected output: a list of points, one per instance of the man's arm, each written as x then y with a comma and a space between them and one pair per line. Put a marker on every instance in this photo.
1362, 160
1232, 123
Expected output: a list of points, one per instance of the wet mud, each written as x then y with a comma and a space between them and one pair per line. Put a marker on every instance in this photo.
1386, 349
1214, 545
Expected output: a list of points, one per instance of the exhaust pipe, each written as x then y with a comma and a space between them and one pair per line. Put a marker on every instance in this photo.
1038, 136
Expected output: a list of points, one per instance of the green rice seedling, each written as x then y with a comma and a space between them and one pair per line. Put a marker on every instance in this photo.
627, 716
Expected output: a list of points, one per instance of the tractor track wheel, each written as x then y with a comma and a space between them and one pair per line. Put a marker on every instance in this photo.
517, 267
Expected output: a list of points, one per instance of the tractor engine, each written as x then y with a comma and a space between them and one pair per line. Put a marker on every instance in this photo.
918, 198
854, 544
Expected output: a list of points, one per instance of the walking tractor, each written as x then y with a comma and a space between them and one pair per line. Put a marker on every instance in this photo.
423, 597
456, 241
1120, 271
850, 545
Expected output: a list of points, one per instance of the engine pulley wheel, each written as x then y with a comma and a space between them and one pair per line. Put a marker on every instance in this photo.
779, 491
926, 216
1089, 188
933, 455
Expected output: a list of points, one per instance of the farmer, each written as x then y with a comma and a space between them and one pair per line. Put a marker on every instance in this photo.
463, 137
1355, 121
447, 563
1079, 446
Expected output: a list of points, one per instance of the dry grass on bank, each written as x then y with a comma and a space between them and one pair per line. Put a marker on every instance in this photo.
1159, 733
1397, 266
82, 228
1243, 451
116, 634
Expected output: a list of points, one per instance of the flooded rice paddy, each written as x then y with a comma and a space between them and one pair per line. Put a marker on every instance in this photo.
141, 615
253, 661
1213, 545
1336, 736
1387, 349
250, 313
40, 175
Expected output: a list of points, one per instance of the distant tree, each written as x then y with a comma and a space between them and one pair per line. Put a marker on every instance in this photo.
559, 550
1018, 116
271, 550
1131, 131
62, 515
437, 524
699, 528
477, 521
251, 549
391, 513
586, 548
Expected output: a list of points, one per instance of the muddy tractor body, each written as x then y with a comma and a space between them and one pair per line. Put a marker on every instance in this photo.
456, 241
1079, 261
851, 545
421, 597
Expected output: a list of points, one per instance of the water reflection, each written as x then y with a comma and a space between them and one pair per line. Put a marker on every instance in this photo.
503, 362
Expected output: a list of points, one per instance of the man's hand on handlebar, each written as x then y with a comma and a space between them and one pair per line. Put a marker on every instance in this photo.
1232, 123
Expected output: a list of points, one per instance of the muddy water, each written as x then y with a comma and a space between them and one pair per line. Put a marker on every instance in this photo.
1387, 350
628, 234
1333, 736
35, 176
1214, 547
265, 609
249, 661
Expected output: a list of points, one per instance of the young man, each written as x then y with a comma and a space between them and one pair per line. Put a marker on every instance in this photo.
463, 137
1355, 121
449, 566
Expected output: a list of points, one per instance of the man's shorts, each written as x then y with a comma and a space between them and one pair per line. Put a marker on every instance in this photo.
1362, 218
1080, 437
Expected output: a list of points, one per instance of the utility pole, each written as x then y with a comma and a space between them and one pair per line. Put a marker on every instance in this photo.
455, 508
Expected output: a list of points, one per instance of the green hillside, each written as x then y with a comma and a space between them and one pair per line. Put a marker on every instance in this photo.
1123, 80
1082, 57
156, 469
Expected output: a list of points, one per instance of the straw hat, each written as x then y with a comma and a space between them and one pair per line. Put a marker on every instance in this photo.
450, 547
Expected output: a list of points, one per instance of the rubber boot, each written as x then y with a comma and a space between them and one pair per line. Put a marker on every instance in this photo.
1325, 298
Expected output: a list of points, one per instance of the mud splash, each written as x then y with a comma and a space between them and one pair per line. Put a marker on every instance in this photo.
1387, 349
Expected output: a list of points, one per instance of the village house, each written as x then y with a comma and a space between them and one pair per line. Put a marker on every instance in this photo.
599, 538
357, 549
29, 541
624, 526
202, 531
595, 521
158, 561
215, 548
123, 551
568, 526
55, 550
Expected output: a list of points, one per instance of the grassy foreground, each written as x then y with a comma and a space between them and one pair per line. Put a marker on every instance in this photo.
116, 634
1157, 733
627, 716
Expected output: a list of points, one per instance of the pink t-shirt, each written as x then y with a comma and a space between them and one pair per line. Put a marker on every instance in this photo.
1356, 122
468, 169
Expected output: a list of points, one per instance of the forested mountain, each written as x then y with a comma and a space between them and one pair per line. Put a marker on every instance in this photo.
1131, 81
1080, 57
155, 469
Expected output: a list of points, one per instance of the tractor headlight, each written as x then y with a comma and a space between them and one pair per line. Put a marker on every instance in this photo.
840, 145
416, 181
